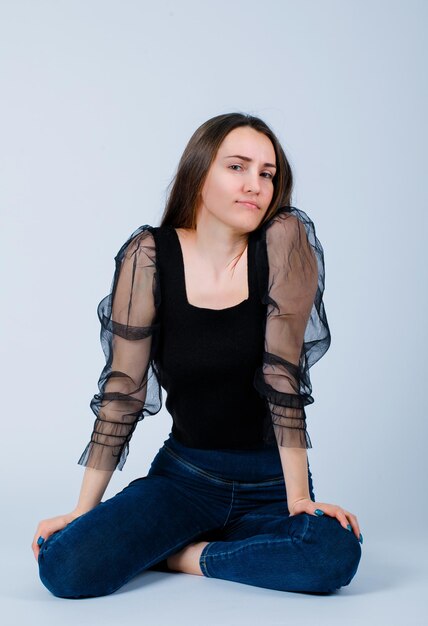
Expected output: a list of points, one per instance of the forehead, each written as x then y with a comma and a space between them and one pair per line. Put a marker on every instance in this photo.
249, 142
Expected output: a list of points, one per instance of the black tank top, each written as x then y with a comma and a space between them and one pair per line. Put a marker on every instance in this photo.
207, 358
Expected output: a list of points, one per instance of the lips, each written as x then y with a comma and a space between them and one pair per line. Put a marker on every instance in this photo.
249, 203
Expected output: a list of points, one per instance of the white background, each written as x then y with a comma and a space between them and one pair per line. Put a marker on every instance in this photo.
98, 100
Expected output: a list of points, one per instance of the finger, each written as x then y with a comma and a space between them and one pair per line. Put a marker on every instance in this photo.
355, 525
318, 512
351, 526
39, 538
324, 509
39, 533
36, 549
342, 519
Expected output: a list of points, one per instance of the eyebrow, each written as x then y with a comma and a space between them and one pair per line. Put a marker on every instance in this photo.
245, 158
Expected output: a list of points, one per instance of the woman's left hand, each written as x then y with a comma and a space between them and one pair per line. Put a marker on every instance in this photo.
305, 505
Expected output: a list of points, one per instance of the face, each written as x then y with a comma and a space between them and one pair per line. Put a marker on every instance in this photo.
238, 189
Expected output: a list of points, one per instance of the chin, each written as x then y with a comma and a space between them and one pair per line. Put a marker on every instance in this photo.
247, 226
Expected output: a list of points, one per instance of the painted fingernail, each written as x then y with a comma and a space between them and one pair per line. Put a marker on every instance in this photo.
349, 527
40, 540
318, 512
361, 538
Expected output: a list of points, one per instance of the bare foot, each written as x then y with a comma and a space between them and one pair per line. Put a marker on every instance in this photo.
187, 559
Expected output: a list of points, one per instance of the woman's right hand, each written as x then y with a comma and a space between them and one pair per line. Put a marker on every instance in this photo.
47, 527
94, 484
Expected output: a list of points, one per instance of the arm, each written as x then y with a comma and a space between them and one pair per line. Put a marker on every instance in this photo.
294, 292
296, 336
294, 463
94, 484
295, 469
289, 267
129, 385
294, 276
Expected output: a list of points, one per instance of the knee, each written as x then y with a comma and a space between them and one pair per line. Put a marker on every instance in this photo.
65, 572
338, 554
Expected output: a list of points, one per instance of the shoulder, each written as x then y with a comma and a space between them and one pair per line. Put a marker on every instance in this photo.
140, 242
288, 225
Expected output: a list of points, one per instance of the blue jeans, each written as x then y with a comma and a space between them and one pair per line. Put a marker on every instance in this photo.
234, 499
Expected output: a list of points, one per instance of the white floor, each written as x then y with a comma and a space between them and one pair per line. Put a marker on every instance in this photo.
390, 588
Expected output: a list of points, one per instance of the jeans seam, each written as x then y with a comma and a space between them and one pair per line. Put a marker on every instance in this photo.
231, 504
194, 468
202, 560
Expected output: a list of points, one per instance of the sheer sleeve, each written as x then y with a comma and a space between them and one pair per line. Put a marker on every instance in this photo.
291, 261
129, 383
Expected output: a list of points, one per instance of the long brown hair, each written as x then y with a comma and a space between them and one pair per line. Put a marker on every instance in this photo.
185, 195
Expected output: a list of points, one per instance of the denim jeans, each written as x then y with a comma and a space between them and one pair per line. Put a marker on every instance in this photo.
234, 499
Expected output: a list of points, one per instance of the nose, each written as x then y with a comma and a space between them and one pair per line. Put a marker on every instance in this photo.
252, 181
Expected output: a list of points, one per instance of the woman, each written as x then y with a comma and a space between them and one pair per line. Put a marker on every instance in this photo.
220, 305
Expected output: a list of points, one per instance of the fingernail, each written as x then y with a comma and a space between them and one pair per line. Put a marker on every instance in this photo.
349, 527
318, 512
361, 538
40, 540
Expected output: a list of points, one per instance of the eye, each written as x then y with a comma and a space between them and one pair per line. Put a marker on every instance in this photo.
235, 165
269, 176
